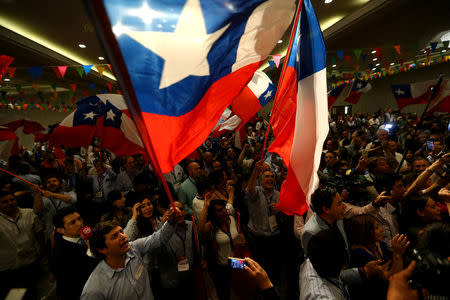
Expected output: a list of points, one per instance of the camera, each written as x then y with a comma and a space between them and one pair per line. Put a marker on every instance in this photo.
432, 272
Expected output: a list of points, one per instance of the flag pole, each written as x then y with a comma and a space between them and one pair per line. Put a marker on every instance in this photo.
99, 18
283, 70
433, 94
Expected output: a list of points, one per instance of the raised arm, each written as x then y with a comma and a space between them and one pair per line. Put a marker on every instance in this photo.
251, 187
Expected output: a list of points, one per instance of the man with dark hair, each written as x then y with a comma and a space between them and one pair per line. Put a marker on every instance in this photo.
124, 180
52, 199
71, 263
320, 273
328, 214
20, 241
121, 273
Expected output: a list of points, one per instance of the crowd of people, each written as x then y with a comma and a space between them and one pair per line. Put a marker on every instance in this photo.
103, 227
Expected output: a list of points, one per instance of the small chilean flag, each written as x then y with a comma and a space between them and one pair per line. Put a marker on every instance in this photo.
259, 91
334, 94
410, 94
300, 122
359, 87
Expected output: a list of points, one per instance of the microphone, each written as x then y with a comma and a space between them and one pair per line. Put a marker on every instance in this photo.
86, 232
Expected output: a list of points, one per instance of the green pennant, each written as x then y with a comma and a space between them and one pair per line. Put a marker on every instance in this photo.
357, 53
54, 86
445, 44
70, 94
18, 87
80, 71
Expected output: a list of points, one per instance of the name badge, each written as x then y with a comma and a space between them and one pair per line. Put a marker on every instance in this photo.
273, 223
183, 264
99, 194
139, 272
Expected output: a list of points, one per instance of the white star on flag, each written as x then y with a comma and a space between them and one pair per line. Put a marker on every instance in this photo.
186, 49
268, 94
399, 92
110, 115
90, 115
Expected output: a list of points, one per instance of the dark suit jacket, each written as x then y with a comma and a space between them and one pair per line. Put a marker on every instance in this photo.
72, 267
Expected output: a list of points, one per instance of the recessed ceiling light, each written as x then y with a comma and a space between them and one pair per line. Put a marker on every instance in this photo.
7, 79
328, 1
377, 65
334, 66
374, 69
82, 45
392, 64
280, 41
375, 59
444, 50
425, 51
374, 51
101, 58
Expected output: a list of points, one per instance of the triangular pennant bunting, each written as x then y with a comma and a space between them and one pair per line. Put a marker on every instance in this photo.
11, 72
92, 86
271, 64
109, 84
433, 46
87, 69
397, 49
340, 54
100, 70
277, 59
62, 70
357, 53
35, 87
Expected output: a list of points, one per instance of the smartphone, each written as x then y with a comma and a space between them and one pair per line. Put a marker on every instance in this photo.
237, 263
430, 145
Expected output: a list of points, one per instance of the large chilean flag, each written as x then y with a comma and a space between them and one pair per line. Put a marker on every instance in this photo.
186, 60
300, 113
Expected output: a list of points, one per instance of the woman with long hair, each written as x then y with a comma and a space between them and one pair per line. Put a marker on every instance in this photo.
367, 244
221, 230
116, 209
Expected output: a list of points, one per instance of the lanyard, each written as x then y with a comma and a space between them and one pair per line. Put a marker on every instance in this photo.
54, 205
183, 239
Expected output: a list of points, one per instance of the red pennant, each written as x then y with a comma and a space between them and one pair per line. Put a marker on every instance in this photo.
86, 93
73, 86
401, 62
62, 70
428, 50
348, 58
109, 84
109, 66
55, 69
378, 52
11, 72
119, 92
397, 48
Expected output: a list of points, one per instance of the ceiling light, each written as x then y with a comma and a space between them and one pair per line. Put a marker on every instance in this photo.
392, 64
444, 50
7, 79
280, 41
82, 46
375, 59
328, 1
377, 64
334, 66
425, 51
374, 69
101, 58
374, 51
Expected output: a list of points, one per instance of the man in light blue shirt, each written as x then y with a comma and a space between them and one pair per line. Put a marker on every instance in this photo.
122, 274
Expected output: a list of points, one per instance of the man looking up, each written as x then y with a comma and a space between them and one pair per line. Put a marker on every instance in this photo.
121, 274
71, 263
188, 189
